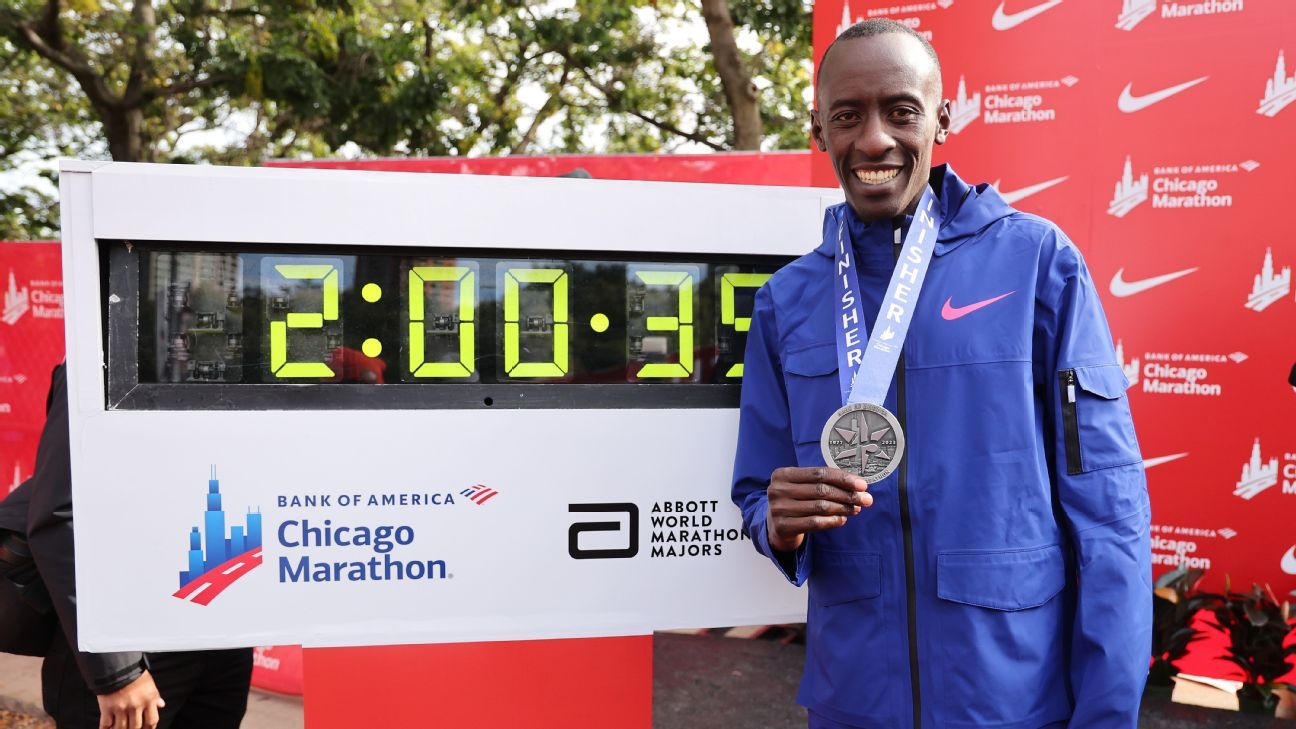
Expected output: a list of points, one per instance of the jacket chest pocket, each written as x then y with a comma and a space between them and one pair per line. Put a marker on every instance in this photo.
813, 393
1097, 428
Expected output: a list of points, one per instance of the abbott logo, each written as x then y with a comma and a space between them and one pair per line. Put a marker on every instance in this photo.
1130, 193
964, 109
1279, 90
630, 514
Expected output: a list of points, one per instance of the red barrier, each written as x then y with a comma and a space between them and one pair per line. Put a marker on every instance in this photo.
747, 168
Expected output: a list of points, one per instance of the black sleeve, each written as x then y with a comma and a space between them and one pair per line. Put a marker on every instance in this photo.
49, 532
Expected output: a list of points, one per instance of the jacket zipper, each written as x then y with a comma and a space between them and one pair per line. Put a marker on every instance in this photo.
906, 527
1070, 421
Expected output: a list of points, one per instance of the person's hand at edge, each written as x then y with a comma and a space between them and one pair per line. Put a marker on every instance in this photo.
134, 706
804, 500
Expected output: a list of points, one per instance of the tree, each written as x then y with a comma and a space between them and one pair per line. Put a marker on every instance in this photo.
239, 81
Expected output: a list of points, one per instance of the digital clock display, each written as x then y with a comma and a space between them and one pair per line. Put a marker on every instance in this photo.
252, 316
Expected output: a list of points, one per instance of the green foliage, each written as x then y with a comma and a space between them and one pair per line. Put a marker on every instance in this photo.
241, 81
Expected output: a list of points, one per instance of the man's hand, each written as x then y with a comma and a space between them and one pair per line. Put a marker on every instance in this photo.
803, 500
134, 706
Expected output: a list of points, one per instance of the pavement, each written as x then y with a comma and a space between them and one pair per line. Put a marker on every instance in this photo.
20, 692
699, 682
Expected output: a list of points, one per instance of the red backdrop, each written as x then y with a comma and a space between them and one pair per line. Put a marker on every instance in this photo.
1053, 99
31, 343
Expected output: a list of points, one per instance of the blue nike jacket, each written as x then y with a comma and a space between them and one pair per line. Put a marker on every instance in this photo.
1002, 577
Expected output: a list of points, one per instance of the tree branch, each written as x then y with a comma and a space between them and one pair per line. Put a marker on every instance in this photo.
545, 111
182, 87
740, 92
70, 60
144, 30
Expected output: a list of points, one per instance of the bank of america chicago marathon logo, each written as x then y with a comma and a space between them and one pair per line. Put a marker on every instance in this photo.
890, 11
1175, 186
1177, 546
222, 558
1134, 12
1176, 373
1015, 102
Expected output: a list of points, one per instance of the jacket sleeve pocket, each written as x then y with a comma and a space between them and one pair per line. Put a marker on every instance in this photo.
1097, 427
1015, 580
814, 391
842, 577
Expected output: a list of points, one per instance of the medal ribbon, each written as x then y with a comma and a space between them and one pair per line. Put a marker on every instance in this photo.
865, 371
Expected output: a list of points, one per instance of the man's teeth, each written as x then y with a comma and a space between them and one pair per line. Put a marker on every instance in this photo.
876, 177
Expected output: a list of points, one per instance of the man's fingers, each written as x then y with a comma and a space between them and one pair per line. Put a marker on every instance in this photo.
820, 491
136, 720
821, 474
151, 716
806, 524
105, 720
816, 507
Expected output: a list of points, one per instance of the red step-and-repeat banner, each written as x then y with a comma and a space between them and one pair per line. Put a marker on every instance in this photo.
31, 343
1160, 136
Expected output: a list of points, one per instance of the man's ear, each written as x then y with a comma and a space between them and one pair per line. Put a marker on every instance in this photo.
816, 131
943, 122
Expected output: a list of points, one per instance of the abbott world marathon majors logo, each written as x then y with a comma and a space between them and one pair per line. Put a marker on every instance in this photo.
1176, 187
1176, 373
1016, 102
675, 529
1133, 12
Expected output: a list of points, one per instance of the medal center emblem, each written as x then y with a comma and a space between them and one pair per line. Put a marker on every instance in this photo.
864, 439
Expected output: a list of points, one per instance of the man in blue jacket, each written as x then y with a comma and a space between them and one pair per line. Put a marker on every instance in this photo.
992, 566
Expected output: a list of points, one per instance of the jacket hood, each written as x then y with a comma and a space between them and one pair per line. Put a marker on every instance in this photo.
966, 210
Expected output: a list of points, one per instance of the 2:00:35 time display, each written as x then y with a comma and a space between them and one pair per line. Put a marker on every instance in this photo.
260, 317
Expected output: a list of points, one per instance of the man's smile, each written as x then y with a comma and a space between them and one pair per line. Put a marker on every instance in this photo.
877, 177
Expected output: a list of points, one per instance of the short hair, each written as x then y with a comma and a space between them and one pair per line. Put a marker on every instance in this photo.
875, 27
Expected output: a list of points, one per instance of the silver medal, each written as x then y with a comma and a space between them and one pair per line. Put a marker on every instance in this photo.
863, 439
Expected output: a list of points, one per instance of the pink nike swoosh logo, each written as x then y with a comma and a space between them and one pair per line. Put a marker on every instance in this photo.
949, 312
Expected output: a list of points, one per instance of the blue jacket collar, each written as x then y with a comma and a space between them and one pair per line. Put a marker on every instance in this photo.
965, 211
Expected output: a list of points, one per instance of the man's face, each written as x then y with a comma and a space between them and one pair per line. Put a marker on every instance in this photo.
879, 113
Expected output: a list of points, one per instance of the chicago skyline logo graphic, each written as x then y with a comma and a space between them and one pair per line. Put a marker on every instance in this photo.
1270, 285
1279, 90
1257, 474
16, 301
1130, 192
217, 559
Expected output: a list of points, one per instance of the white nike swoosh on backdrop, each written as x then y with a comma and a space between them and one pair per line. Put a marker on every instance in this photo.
1129, 103
1018, 195
1008, 21
1121, 288
1289, 562
1150, 462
